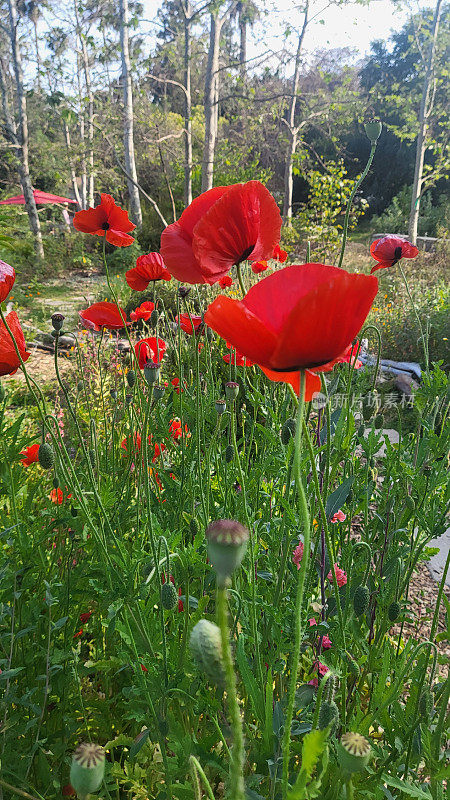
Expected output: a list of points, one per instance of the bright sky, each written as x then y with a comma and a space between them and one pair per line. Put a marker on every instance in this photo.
354, 26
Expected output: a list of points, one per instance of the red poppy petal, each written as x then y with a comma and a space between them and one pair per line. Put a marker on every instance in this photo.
119, 220
381, 265
243, 223
409, 250
236, 324
195, 211
136, 281
7, 278
119, 239
9, 361
176, 250
324, 322
312, 385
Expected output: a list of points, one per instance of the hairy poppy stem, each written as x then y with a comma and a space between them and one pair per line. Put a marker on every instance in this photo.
350, 202
302, 573
419, 322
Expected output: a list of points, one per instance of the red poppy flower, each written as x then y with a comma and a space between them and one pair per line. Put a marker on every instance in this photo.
278, 254
7, 278
299, 318
104, 315
68, 790
237, 359
151, 349
30, 455
220, 228
148, 268
176, 430
57, 496
144, 669
190, 324
176, 385
180, 602
9, 361
226, 281
85, 616
259, 266
159, 449
134, 441
143, 312
106, 219
78, 634
390, 249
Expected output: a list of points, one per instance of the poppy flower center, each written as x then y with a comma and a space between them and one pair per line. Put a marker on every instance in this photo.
245, 254
105, 226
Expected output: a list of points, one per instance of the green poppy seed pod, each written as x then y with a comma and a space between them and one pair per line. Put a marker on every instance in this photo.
373, 130
46, 456
231, 390
151, 373
229, 453
288, 431
169, 597
227, 543
426, 705
154, 318
328, 715
206, 649
353, 752
394, 611
361, 600
131, 378
158, 391
58, 321
220, 406
88, 769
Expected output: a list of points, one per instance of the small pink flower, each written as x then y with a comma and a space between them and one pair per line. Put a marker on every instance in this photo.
298, 554
312, 621
321, 668
341, 577
326, 642
339, 516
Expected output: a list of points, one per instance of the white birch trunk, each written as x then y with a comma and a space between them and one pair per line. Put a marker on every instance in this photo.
128, 130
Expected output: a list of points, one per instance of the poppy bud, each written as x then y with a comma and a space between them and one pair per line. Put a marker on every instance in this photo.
361, 600
288, 431
231, 390
131, 378
151, 373
159, 391
88, 769
353, 752
373, 130
360, 432
183, 291
113, 394
229, 453
55, 482
394, 611
352, 664
46, 456
328, 715
220, 406
169, 597
58, 321
206, 649
227, 543
154, 318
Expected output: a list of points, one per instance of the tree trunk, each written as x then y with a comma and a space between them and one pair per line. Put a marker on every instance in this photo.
187, 12
292, 142
211, 92
426, 107
71, 167
22, 137
242, 44
88, 157
128, 139
82, 138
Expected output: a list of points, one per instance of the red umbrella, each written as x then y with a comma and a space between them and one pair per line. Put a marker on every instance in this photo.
40, 198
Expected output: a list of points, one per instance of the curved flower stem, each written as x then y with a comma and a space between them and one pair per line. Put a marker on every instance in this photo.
350, 202
302, 573
196, 767
237, 791
378, 335
417, 315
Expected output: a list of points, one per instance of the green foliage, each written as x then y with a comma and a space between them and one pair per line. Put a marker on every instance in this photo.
434, 216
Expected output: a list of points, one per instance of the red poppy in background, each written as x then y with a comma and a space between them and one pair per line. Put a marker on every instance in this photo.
106, 219
176, 430
278, 254
299, 318
7, 278
237, 359
219, 229
68, 791
57, 496
134, 441
9, 361
144, 311
226, 281
259, 266
85, 616
151, 349
78, 634
190, 323
144, 669
148, 268
176, 385
104, 315
30, 455
389, 250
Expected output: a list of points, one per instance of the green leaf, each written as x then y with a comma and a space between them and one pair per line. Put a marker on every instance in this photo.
139, 742
406, 788
337, 499
314, 744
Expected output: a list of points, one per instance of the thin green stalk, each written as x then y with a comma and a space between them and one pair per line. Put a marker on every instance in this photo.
302, 573
350, 202
237, 790
419, 321
196, 767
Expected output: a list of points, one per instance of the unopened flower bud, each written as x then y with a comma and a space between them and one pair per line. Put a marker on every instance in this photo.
151, 373
220, 406
154, 316
131, 378
183, 291
80, 386
46, 456
88, 769
206, 648
373, 130
288, 431
113, 394
58, 321
328, 715
361, 600
227, 543
169, 597
231, 390
394, 611
353, 752
229, 453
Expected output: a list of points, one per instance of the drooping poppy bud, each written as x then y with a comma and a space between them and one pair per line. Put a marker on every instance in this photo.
227, 542
394, 611
88, 769
288, 431
328, 715
46, 456
361, 600
169, 596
